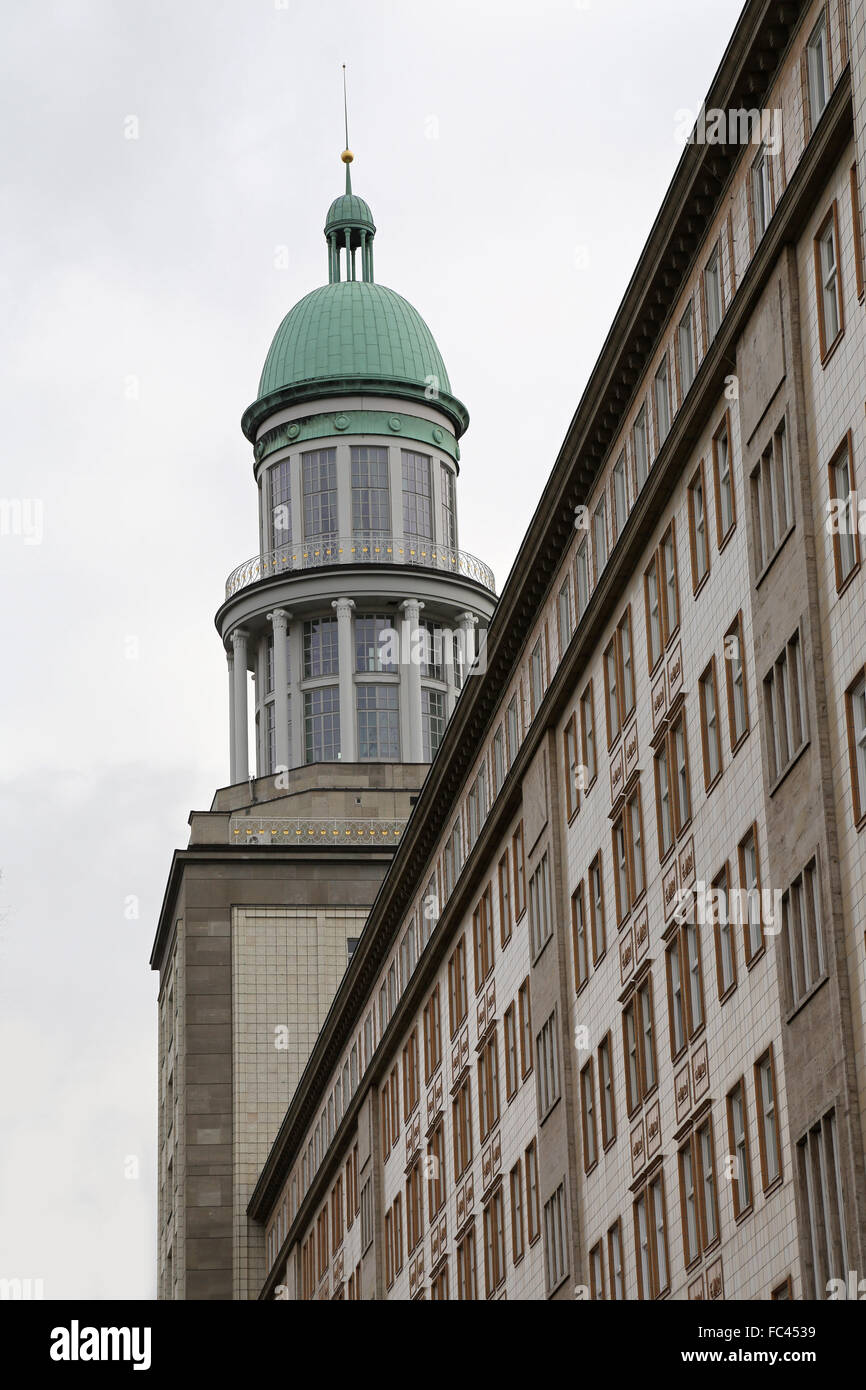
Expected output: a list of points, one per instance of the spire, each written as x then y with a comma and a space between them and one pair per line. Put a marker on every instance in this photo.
349, 227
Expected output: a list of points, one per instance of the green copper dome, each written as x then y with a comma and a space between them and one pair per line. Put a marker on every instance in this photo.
349, 211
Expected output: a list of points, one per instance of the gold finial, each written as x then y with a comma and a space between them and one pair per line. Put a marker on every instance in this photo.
347, 156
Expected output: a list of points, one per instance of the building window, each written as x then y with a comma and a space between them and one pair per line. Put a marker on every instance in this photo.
432, 1036
321, 653
652, 599
581, 569
536, 676
511, 1076
762, 192
461, 1114
738, 1141
571, 758
372, 633
319, 476
410, 1074
769, 1141
856, 711
605, 1091
735, 679
669, 583
821, 1195
518, 861
587, 1108
494, 1242
843, 515
587, 735
611, 693
596, 909
371, 495
540, 918
378, 723
579, 936
280, 505
498, 761
711, 734
828, 283
512, 729
436, 1170
599, 538
453, 858
547, 1051
673, 795
726, 952
432, 721
449, 507
803, 932
713, 294
641, 449
505, 922
619, 512
698, 536
322, 724
565, 617
785, 708
517, 1235
596, 1273
772, 504
555, 1239
614, 1260
488, 1086
651, 1241
467, 1287
476, 807
366, 1216
639, 1043
857, 230
818, 70
417, 496
533, 1219
685, 987
414, 1207
726, 514
686, 350
525, 1016
628, 856
458, 998
698, 1196
619, 677
750, 890
662, 401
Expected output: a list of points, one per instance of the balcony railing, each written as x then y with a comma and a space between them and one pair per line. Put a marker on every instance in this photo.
298, 830
358, 550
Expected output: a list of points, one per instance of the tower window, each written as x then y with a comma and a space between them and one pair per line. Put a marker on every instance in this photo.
280, 505
373, 649
320, 648
378, 722
319, 471
371, 495
449, 507
432, 721
322, 724
417, 495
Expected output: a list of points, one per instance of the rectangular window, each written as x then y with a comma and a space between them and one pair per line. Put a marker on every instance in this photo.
505, 922
547, 1051
417, 496
650, 1238
555, 1239
587, 734
517, 1229
641, 449
488, 1086
762, 192
803, 932
611, 693
726, 953
685, 987
432, 1036
713, 294
536, 677
614, 1261
689, 1204
494, 1242
686, 350
432, 721
620, 495
711, 734
366, 1216
599, 538
499, 768
726, 515
629, 867
512, 729
605, 1090
750, 894
818, 70
662, 402
432, 666
519, 872
735, 679
596, 909
571, 759
532, 1207
319, 479
664, 809
698, 535
669, 583
525, 1016
843, 514
772, 501
579, 936
371, 493
856, 712
587, 1107
784, 705
372, 643
565, 616
652, 599
821, 1193
414, 1208
280, 508
639, 1045
511, 1064
857, 230
378, 723
768, 1120
449, 506
458, 999
322, 724
738, 1141
321, 652
467, 1287
461, 1115
827, 282
540, 916
581, 569
596, 1273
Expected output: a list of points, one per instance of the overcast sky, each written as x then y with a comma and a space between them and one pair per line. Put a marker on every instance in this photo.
514, 153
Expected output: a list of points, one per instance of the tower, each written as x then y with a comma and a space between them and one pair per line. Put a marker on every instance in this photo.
348, 636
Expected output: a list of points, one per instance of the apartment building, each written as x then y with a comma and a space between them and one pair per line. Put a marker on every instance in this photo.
603, 1032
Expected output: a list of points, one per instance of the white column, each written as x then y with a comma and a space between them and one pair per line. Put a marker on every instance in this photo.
410, 673
279, 620
348, 741
233, 756
241, 718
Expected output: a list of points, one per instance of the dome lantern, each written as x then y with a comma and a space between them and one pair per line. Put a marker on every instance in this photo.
349, 227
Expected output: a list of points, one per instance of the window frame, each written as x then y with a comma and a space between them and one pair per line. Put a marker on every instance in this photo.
698, 479
723, 430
